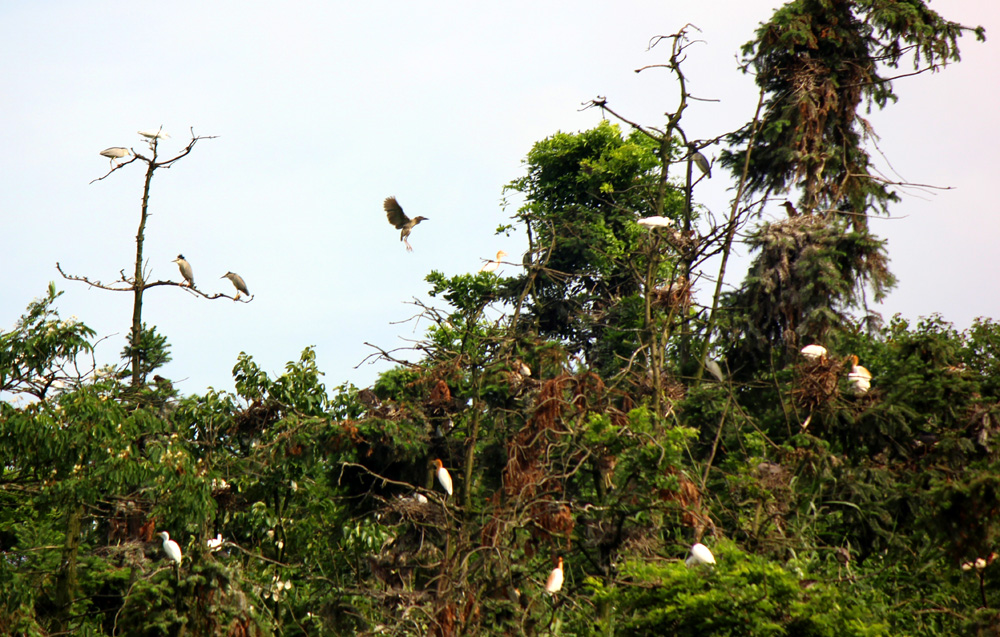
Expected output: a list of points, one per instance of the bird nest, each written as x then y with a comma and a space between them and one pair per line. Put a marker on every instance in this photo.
676, 296
816, 382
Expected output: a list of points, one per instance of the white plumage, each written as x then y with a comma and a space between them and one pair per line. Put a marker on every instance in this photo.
154, 134
859, 377
443, 476
491, 266
555, 580
700, 555
814, 352
214, 544
186, 271
115, 152
656, 222
170, 547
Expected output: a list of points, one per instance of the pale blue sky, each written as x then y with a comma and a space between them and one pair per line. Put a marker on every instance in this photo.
325, 108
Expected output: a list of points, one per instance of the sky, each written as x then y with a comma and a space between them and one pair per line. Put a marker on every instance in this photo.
322, 109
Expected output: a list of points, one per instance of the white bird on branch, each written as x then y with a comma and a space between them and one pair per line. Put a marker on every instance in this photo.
115, 152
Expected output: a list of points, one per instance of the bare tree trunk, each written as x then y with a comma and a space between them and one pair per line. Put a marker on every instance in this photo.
139, 284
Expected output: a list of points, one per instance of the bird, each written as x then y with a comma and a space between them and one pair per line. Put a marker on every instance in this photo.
522, 368
170, 547
214, 544
790, 207
115, 152
555, 580
715, 370
700, 555
813, 352
443, 476
154, 134
491, 266
394, 213
655, 222
859, 377
702, 163
238, 282
186, 270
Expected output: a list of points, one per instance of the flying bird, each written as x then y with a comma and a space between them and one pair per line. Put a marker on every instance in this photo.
814, 352
443, 476
702, 163
238, 282
700, 555
394, 213
185, 269
170, 547
115, 152
491, 266
155, 134
555, 580
655, 222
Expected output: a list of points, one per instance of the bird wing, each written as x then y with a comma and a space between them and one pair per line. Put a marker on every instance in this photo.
394, 212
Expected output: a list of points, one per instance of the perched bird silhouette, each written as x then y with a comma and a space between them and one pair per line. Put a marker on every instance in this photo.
238, 282
702, 163
790, 207
186, 270
394, 213
115, 152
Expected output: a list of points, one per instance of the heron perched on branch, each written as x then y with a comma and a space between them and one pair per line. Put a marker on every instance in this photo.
185, 269
491, 266
394, 213
238, 282
170, 547
443, 476
702, 163
115, 152
155, 134
555, 580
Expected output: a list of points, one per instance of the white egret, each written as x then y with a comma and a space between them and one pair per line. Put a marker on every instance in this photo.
238, 282
185, 269
814, 352
859, 377
115, 152
700, 555
443, 476
394, 213
154, 134
214, 544
555, 580
655, 222
170, 547
491, 266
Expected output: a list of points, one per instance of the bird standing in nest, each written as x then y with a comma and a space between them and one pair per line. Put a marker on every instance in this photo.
394, 213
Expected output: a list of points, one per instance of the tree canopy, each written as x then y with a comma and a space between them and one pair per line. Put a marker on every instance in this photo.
849, 493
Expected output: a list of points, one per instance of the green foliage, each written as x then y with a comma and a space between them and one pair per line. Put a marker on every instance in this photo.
149, 350
41, 352
741, 595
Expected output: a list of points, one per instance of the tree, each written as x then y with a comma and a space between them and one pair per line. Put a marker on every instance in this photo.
143, 341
